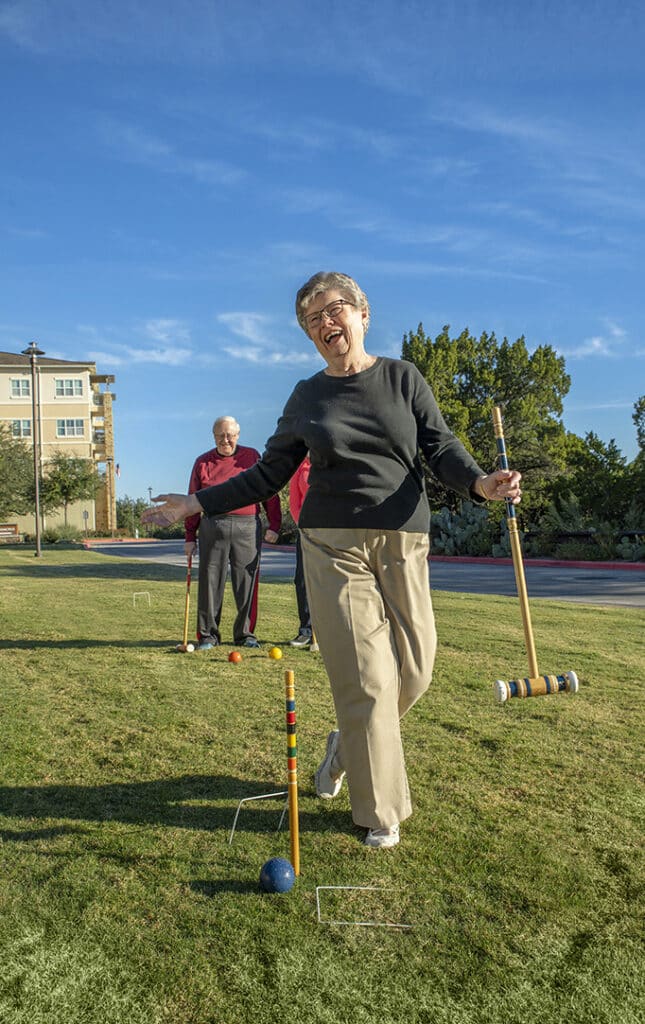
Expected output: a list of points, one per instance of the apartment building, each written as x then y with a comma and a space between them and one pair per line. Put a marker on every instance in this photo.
74, 413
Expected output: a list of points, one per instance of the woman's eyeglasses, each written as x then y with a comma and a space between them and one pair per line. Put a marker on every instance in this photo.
331, 311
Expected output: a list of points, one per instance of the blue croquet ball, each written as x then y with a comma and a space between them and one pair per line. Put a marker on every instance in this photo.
277, 875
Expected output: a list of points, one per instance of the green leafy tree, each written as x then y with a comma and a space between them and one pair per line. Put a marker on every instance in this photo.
68, 479
470, 375
638, 417
597, 475
128, 513
16, 475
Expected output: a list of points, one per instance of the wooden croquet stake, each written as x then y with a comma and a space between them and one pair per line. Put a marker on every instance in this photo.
292, 769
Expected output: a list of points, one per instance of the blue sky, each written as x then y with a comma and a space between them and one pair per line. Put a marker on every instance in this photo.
171, 173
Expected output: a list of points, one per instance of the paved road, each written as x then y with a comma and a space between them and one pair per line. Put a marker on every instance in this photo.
590, 585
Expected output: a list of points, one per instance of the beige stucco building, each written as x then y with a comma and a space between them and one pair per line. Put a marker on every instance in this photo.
74, 414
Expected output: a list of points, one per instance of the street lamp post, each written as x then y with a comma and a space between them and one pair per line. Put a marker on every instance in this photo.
33, 352
109, 481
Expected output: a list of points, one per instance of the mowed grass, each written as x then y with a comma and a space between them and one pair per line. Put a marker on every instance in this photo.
122, 763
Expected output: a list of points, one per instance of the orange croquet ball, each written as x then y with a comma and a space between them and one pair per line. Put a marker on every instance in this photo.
235, 657
275, 653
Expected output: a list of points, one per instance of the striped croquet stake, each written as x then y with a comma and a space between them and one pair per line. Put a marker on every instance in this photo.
535, 685
292, 769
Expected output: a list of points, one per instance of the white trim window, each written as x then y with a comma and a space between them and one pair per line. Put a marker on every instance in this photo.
68, 387
70, 428
20, 387
21, 428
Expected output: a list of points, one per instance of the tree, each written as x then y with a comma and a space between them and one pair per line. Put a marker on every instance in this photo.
16, 475
638, 417
128, 513
68, 479
469, 376
597, 476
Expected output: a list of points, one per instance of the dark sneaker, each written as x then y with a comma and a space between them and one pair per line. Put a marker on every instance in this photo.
250, 642
382, 838
329, 778
302, 640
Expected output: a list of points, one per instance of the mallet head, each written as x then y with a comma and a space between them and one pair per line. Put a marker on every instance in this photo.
537, 687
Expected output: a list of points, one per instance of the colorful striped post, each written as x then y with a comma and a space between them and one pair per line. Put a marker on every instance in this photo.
292, 769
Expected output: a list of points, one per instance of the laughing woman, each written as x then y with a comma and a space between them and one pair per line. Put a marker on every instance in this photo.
364, 526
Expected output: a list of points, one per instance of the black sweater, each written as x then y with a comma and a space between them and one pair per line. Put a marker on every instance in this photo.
363, 434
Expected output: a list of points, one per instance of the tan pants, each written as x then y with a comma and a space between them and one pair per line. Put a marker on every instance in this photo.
369, 595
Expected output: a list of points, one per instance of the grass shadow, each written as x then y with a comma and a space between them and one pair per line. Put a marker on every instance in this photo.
32, 645
208, 888
189, 801
117, 570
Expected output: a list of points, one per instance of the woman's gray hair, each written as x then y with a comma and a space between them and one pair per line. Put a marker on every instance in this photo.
324, 281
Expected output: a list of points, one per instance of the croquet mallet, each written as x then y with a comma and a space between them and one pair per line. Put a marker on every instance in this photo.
534, 685
184, 646
313, 646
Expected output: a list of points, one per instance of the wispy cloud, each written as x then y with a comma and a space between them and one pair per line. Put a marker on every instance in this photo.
29, 234
255, 330
605, 346
251, 327
136, 145
164, 342
598, 406
524, 128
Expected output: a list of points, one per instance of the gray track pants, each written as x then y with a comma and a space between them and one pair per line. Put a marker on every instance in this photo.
223, 541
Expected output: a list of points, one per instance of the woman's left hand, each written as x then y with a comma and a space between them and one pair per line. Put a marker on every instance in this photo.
174, 508
501, 485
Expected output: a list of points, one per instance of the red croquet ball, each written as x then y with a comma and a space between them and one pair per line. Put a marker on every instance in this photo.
235, 657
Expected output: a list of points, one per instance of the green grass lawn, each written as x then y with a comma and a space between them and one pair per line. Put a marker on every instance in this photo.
122, 764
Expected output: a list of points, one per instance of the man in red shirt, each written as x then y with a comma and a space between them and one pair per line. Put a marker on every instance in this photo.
233, 539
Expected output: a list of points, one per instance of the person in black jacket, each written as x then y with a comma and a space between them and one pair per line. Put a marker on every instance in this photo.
365, 534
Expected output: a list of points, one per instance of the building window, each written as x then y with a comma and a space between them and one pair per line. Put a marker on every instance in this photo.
21, 428
70, 428
68, 387
20, 388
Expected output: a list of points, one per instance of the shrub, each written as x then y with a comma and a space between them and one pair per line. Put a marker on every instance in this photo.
469, 531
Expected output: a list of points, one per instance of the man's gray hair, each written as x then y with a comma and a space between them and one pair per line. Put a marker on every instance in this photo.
226, 419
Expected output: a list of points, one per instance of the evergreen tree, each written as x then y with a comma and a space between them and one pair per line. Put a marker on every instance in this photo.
469, 376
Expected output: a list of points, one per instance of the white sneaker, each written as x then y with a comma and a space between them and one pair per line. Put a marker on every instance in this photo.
382, 838
328, 781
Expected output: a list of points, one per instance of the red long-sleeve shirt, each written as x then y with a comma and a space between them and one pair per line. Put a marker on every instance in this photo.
298, 487
212, 468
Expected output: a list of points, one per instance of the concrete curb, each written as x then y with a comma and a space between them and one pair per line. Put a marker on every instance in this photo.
552, 563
